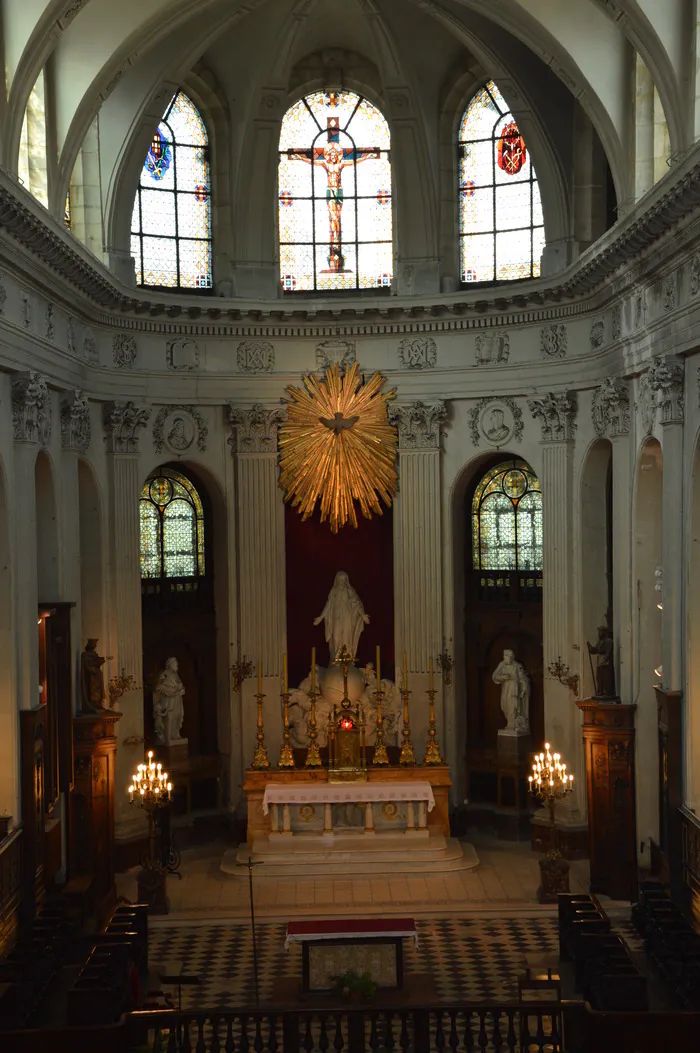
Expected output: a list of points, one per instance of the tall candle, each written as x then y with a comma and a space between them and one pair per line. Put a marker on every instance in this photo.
313, 670
405, 673
284, 673
379, 672
260, 678
430, 673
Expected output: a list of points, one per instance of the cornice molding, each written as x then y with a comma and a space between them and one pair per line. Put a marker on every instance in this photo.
675, 198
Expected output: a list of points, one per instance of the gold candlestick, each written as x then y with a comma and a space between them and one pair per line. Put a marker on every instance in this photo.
261, 761
313, 754
432, 750
380, 754
286, 755
408, 754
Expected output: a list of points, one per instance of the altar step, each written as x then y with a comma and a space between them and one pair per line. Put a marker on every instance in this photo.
350, 855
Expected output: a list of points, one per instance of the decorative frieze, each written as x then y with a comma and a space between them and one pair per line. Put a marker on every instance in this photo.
26, 311
418, 352
554, 341
90, 348
122, 421
124, 350
3, 297
640, 310
255, 427
70, 336
695, 274
50, 322
670, 292
335, 353
556, 414
182, 355
31, 409
419, 424
75, 423
611, 408
617, 321
597, 335
255, 356
496, 421
178, 429
665, 378
492, 348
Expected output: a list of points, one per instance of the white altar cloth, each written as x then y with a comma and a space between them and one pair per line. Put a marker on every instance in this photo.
348, 793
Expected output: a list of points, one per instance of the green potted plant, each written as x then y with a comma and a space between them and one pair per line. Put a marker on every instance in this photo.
354, 987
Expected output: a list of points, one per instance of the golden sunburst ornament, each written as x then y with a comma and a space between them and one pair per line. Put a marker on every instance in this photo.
337, 446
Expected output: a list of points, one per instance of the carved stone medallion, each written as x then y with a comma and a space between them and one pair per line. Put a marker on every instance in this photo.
492, 348
182, 354
179, 429
124, 350
335, 353
597, 334
418, 352
617, 321
255, 356
496, 421
553, 341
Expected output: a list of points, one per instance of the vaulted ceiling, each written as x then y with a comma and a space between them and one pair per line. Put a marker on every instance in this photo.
630, 64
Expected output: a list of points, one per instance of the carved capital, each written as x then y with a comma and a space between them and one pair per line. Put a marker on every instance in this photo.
665, 378
75, 423
419, 424
31, 409
122, 421
611, 408
556, 414
254, 428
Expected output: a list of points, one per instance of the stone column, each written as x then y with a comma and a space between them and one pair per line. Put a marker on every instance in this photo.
31, 422
261, 562
611, 420
556, 414
75, 442
123, 422
418, 547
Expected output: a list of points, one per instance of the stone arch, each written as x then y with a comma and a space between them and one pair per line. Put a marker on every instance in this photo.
595, 554
9, 725
47, 546
647, 557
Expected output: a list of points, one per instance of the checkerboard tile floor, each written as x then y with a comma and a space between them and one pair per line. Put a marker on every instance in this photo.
469, 959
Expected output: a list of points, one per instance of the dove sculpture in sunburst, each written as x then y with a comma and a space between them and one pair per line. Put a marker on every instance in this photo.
337, 446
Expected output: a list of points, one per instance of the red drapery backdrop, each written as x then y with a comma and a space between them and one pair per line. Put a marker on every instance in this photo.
314, 555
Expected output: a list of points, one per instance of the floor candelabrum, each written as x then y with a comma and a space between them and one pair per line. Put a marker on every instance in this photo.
551, 782
151, 790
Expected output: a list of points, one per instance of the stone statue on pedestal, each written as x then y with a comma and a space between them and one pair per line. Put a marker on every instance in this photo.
92, 688
344, 617
168, 710
605, 673
515, 693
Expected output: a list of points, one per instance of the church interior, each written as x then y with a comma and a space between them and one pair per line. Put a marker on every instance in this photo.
350, 526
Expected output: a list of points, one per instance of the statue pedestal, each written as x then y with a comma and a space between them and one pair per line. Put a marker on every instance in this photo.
173, 752
514, 746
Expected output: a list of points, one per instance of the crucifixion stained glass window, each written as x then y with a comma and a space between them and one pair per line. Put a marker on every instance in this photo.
171, 221
507, 519
334, 195
172, 527
500, 212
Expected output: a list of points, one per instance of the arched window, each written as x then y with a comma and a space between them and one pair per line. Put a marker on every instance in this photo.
335, 211
500, 213
31, 163
171, 221
172, 527
507, 519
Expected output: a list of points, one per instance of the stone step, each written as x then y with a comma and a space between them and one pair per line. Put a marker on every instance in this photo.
300, 857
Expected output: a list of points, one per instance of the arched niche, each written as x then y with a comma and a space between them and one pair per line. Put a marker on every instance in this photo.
91, 555
9, 727
648, 504
194, 630
596, 550
47, 550
692, 683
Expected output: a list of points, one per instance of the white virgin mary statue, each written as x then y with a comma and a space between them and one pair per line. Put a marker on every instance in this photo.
344, 617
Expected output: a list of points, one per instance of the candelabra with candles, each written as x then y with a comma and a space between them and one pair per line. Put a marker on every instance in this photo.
261, 761
313, 754
408, 754
551, 782
380, 755
432, 749
286, 753
151, 790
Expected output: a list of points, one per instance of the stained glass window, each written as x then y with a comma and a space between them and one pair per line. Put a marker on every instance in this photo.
500, 212
334, 195
171, 221
507, 519
172, 527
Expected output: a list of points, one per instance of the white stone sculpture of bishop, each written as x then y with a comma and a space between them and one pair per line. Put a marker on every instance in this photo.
168, 709
344, 617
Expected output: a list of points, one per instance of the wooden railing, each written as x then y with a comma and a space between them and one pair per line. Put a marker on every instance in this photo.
534, 1027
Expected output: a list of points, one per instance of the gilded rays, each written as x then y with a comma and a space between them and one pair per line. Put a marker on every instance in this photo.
337, 446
